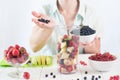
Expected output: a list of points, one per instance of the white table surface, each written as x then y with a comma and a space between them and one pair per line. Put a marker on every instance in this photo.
38, 73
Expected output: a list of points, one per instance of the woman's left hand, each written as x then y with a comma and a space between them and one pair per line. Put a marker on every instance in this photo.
92, 47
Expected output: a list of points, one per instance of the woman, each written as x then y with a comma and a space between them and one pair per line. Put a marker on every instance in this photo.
63, 12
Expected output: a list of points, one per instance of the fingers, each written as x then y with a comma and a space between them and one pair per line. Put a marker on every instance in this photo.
37, 15
40, 24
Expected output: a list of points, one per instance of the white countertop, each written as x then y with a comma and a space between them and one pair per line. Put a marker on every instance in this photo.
38, 73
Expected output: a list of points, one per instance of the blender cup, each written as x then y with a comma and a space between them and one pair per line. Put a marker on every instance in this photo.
68, 43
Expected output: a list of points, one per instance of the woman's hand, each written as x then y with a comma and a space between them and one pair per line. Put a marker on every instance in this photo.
37, 16
93, 47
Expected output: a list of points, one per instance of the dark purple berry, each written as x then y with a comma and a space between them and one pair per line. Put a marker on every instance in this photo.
51, 73
78, 79
99, 76
86, 72
46, 75
54, 76
85, 78
96, 78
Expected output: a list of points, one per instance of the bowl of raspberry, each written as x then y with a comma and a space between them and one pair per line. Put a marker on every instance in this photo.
102, 62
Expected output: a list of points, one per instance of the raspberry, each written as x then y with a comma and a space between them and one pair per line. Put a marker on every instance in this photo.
17, 46
69, 68
26, 75
15, 52
103, 57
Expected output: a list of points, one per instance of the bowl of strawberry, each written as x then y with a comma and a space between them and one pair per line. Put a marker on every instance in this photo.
102, 62
16, 55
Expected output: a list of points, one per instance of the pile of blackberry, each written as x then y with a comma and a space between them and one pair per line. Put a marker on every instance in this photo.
44, 20
86, 30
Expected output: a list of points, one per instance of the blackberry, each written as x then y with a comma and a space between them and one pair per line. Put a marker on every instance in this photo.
86, 30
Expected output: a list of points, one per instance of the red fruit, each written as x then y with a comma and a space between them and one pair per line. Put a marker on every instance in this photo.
83, 63
14, 61
15, 52
26, 75
5, 51
65, 36
10, 47
21, 59
9, 55
71, 43
17, 46
69, 68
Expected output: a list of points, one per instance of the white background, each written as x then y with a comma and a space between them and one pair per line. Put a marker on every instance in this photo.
16, 24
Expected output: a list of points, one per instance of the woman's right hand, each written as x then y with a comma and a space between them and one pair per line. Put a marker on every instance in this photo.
37, 16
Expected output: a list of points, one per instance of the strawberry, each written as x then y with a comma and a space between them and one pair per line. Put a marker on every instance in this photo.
20, 59
26, 75
17, 46
15, 52
10, 47
70, 43
69, 68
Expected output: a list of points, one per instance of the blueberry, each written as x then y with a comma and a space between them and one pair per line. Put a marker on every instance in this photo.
86, 30
86, 72
46, 75
47, 21
99, 76
54, 76
93, 77
85, 78
96, 78
78, 79
51, 73
43, 20
61, 61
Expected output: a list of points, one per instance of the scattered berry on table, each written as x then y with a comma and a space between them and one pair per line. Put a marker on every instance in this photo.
46, 75
86, 72
96, 78
93, 77
54, 76
51, 73
78, 79
99, 76
85, 78
26, 75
